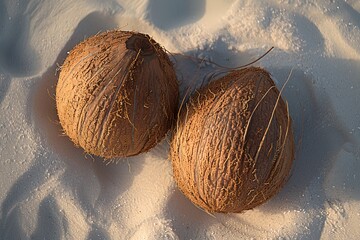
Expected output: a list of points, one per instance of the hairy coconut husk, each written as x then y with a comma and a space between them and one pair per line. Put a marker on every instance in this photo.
233, 147
117, 94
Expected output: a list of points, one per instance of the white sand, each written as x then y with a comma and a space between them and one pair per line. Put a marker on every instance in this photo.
50, 190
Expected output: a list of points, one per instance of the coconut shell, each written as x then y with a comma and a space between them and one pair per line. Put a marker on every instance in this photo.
233, 147
117, 94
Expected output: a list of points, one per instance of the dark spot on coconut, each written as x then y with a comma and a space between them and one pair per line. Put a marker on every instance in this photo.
142, 43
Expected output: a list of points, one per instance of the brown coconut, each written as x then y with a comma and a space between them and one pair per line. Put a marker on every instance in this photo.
233, 147
117, 94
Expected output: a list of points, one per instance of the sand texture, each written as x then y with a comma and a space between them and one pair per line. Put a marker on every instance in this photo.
50, 189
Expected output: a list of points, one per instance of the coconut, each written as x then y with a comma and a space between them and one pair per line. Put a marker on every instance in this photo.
233, 146
117, 94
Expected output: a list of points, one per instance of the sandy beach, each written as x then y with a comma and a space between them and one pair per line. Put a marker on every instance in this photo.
50, 189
